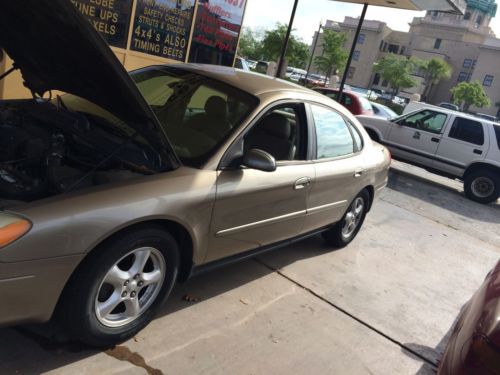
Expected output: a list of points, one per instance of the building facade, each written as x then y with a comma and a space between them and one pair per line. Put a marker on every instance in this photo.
466, 42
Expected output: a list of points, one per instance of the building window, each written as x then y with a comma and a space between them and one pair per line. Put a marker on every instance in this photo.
350, 72
394, 48
385, 83
437, 43
474, 64
385, 47
376, 79
381, 45
467, 63
402, 51
462, 77
479, 20
355, 55
467, 16
488, 80
361, 38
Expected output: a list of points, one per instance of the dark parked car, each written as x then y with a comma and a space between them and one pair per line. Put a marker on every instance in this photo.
474, 345
127, 183
355, 103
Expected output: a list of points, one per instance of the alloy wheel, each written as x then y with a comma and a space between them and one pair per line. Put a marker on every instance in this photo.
130, 286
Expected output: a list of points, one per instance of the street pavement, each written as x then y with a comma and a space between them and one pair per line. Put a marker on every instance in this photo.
383, 305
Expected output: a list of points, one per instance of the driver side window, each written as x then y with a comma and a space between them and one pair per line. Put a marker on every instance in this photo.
281, 132
426, 120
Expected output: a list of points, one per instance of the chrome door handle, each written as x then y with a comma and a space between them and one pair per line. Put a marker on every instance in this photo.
302, 183
358, 173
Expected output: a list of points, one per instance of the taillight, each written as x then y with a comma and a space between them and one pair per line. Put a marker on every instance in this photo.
12, 228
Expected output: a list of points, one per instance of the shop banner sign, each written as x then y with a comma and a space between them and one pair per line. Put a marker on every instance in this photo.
162, 27
111, 18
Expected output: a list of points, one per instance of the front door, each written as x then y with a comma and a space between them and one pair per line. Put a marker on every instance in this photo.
254, 208
416, 137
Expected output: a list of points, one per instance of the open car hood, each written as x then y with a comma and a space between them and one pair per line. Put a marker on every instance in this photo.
55, 48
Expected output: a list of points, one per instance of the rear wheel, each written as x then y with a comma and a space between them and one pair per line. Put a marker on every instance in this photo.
119, 288
342, 233
482, 186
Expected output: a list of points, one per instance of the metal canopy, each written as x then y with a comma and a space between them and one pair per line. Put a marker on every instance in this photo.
451, 6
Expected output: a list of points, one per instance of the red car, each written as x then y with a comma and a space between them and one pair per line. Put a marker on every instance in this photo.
474, 345
355, 103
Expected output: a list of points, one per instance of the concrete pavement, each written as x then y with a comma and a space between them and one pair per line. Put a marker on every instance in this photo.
383, 305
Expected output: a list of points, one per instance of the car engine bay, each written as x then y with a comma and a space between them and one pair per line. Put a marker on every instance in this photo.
47, 149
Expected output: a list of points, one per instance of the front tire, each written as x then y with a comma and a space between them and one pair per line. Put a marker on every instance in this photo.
118, 289
482, 186
343, 232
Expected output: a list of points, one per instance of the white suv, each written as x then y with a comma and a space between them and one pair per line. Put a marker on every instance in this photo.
446, 142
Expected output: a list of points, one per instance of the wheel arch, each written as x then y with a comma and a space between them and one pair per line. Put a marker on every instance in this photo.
178, 231
481, 165
371, 192
373, 133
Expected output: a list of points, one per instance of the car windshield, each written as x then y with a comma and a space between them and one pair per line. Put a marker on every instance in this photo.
197, 113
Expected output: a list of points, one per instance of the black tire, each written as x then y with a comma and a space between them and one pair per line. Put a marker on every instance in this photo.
336, 236
79, 305
482, 186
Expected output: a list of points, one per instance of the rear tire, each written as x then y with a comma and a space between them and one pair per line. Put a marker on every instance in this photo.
343, 232
118, 289
482, 186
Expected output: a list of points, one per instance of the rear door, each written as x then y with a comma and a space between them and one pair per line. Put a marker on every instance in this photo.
464, 142
339, 167
416, 137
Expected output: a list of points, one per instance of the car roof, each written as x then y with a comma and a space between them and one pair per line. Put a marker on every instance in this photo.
253, 83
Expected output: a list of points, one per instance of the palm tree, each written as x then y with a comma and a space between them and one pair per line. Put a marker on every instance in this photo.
334, 55
434, 71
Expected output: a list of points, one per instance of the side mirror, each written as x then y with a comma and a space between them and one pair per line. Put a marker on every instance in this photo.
260, 160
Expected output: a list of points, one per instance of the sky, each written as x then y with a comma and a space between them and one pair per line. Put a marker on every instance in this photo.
263, 14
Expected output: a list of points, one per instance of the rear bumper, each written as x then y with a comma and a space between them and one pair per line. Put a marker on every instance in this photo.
30, 290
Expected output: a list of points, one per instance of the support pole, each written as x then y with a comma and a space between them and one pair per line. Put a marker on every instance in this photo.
313, 50
287, 37
349, 59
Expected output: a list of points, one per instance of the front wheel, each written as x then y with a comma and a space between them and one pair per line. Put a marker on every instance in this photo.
343, 232
118, 289
482, 186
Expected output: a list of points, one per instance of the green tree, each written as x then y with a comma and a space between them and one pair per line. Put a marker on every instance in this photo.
334, 55
397, 71
249, 46
296, 53
466, 94
434, 71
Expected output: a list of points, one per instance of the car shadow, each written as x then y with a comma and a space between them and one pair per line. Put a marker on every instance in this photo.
430, 353
442, 195
35, 349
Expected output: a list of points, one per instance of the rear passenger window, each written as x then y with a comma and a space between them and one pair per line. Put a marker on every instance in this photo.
467, 130
333, 137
